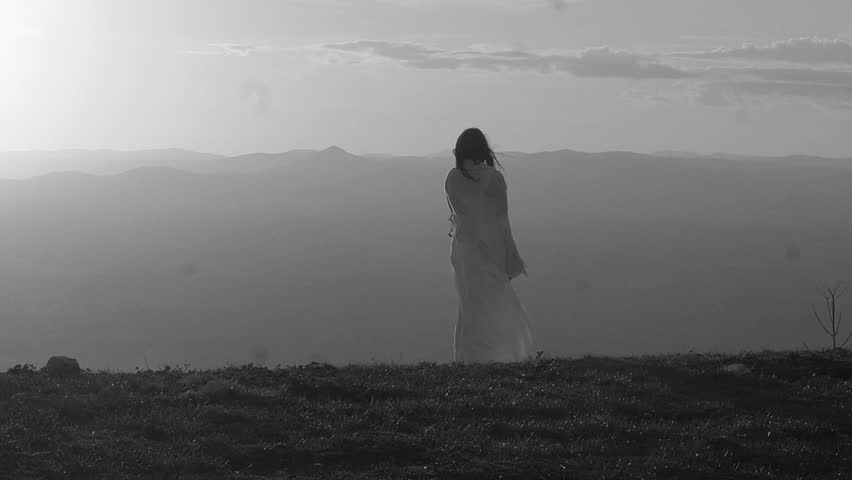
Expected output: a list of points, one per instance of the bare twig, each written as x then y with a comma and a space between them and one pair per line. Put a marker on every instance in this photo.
831, 324
846, 341
820, 321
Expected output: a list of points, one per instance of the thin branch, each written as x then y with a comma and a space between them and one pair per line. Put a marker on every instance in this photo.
833, 313
839, 317
846, 341
820, 321
832, 323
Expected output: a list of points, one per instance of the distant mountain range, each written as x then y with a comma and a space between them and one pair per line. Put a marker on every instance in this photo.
24, 164
27, 164
176, 256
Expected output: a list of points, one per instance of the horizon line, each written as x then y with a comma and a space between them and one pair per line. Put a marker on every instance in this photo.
660, 152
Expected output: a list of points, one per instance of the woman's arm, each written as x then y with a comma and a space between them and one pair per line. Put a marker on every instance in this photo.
514, 263
449, 192
452, 219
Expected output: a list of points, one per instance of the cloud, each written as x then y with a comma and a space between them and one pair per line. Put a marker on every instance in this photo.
604, 62
392, 50
802, 75
827, 85
739, 93
647, 96
239, 49
820, 74
516, 5
806, 50
813, 70
600, 62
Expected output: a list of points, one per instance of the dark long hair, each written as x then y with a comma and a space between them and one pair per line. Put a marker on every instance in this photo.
472, 145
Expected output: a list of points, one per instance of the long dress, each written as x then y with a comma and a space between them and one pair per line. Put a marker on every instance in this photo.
492, 324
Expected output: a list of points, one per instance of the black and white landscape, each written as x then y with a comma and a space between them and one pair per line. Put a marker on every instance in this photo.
225, 244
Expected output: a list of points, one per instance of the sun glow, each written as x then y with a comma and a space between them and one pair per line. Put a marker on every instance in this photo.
47, 59
21, 34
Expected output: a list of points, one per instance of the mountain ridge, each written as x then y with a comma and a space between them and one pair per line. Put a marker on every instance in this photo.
22, 164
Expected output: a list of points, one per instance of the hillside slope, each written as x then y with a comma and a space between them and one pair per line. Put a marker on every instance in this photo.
663, 417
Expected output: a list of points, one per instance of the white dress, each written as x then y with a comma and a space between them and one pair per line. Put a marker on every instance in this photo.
492, 323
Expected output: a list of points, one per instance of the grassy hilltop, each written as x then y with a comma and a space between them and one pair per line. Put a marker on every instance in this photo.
656, 417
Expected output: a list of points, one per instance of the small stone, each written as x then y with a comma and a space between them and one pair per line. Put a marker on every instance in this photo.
193, 379
217, 389
188, 395
62, 366
736, 369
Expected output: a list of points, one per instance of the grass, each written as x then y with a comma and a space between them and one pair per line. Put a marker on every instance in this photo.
655, 417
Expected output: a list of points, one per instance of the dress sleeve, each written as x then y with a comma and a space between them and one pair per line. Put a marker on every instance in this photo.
498, 186
515, 265
452, 202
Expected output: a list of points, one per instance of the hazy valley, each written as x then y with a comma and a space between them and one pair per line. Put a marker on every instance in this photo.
173, 257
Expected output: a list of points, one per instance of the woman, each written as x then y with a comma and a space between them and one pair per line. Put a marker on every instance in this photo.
492, 323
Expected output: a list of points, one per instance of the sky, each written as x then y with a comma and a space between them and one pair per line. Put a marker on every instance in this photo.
406, 76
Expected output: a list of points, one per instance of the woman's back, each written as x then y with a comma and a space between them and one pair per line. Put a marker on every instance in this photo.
479, 219
479, 202
492, 324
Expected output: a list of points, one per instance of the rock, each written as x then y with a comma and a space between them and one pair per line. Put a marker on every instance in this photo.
218, 390
8, 386
193, 379
188, 395
736, 369
62, 366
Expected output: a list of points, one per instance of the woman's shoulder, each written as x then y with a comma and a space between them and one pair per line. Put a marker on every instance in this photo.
456, 174
498, 178
453, 175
